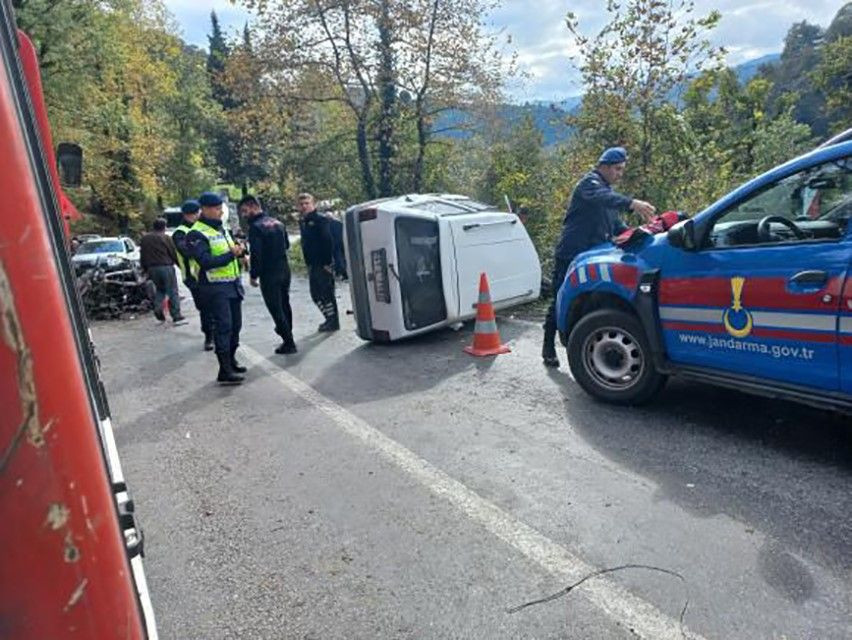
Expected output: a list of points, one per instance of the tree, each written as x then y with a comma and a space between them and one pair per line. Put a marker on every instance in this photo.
121, 84
217, 56
632, 66
375, 57
194, 114
833, 77
450, 64
791, 76
734, 133
227, 153
520, 171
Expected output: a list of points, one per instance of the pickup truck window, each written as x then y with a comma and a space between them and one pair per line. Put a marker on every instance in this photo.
814, 204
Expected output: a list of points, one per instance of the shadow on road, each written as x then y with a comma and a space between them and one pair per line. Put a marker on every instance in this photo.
781, 467
389, 370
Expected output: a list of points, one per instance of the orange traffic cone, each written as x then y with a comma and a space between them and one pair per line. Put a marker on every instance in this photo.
486, 339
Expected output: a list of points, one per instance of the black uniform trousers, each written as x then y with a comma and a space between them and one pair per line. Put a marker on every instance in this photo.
276, 294
223, 302
321, 283
206, 320
560, 268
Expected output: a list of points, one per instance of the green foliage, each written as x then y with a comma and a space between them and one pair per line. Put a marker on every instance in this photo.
115, 81
833, 76
646, 50
160, 121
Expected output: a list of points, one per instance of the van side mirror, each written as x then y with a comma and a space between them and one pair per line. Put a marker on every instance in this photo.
69, 157
682, 235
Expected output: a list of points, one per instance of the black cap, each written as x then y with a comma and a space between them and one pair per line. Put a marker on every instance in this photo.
190, 206
209, 199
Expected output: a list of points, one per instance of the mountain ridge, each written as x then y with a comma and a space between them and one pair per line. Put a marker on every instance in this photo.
549, 115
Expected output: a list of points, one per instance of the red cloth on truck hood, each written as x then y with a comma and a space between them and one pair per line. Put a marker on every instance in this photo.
657, 224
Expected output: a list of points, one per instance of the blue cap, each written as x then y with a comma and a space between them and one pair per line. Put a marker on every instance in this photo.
613, 155
209, 199
190, 206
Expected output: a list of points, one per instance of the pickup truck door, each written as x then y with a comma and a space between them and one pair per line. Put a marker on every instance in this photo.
767, 305
845, 334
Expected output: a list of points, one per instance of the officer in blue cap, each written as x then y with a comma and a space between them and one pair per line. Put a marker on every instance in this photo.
591, 219
215, 257
191, 210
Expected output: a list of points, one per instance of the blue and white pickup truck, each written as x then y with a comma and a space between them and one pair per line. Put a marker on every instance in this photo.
754, 293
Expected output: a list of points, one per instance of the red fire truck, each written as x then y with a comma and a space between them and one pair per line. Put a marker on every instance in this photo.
72, 549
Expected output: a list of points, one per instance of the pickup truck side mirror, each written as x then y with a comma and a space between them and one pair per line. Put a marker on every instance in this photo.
682, 235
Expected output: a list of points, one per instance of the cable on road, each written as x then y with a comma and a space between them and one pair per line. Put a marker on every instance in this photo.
601, 572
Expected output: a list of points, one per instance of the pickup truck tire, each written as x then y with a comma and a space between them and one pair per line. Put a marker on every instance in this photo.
610, 358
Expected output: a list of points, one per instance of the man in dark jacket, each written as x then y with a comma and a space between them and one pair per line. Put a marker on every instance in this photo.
215, 257
591, 219
318, 249
158, 259
191, 210
269, 268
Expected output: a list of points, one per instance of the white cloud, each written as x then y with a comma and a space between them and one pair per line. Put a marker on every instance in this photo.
193, 16
748, 29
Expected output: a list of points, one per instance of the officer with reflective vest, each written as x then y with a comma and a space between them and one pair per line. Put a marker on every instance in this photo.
214, 257
191, 211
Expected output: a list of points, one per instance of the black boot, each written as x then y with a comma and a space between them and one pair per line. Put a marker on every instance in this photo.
286, 347
208, 343
548, 350
236, 366
226, 373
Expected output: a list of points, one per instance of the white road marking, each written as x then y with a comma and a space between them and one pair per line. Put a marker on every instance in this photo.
617, 602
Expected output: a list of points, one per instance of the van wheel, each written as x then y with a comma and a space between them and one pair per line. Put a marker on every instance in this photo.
610, 358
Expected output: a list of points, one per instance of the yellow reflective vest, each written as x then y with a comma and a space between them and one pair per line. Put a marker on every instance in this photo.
220, 243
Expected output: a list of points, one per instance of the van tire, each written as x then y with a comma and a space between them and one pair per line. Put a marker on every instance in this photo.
611, 360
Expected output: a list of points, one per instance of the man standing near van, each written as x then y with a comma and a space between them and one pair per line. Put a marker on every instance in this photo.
158, 257
318, 249
591, 219
269, 267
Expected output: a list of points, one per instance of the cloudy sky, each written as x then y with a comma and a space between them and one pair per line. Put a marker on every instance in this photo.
748, 30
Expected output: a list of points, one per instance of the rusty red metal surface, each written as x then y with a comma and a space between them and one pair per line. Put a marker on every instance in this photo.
29, 63
64, 571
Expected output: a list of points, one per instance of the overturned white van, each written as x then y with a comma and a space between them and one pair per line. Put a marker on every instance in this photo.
414, 262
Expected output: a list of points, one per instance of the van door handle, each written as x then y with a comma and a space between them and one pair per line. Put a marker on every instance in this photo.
810, 278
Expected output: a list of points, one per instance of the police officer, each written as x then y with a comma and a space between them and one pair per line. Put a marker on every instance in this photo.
318, 249
269, 267
215, 257
591, 219
191, 210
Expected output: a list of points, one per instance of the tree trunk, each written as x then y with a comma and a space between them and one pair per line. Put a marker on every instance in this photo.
388, 99
364, 158
422, 139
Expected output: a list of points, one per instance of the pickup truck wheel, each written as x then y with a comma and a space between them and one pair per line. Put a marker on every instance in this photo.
610, 358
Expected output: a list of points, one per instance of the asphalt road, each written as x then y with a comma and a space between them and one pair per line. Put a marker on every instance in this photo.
411, 491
